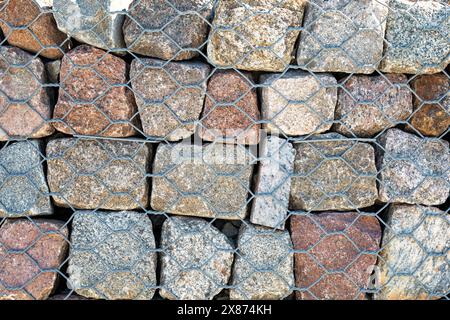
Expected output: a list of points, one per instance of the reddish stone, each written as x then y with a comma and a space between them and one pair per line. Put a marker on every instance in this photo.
29, 254
41, 27
234, 122
93, 95
333, 266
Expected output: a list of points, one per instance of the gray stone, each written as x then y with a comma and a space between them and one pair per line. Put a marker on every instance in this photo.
413, 170
169, 30
273, 182
53, 68
333, 173
169, 96
414, 257
205, 181
298, 103
44, 3
343, 36
255, 35
112, 255
196, 259
23, 189
264, 267
417, 34
98, 174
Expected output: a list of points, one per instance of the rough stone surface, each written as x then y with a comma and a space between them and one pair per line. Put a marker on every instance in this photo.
413, 170
23, 189
98, 174
264, 267
205, 181
414, 258
53, 68
98, 23
431, 119
41, 32
231, 109
417, 37
169, 96
30, 252
343, 36
24, 104
369, 104
270, 205
196, 259
331, 173
175, 30
337, 254
298, 103
112, 255
256, 35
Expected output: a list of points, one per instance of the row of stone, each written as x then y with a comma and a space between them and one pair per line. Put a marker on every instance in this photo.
113, 256
398, 36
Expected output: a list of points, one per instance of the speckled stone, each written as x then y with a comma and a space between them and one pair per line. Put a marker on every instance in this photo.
196, 259
343, 36
205, 181
337, 252
368, 105
93, 97
175, 30
23, 189
414, 258
112, 256
298, 103
98, 174
332, 173
24, 104
264, 267
255, 35
413, 170
169, 95
30, 254
231, 109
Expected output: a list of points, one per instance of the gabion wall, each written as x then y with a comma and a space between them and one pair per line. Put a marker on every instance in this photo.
231, 149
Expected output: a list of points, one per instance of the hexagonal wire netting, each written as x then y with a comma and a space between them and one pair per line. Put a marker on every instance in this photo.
230, 149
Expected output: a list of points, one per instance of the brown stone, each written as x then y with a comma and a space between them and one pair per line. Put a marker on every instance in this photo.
41, 32
333, 262
93, 97
431, 119
231, 109
30, 252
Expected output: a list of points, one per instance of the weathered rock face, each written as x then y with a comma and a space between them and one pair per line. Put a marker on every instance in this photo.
273, 182
414, 258
413, 170
255, 35
263, 269
431, 119
24, 104
98, 23
369, 104
23, 190
417, 37
196, 259
338, 254
231, 109
298, 103
204, 181
343, 36
41, 31
93, 98
98, 174
53, 68
30, 252
112, 255
169, 96
322, 181
175, 30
